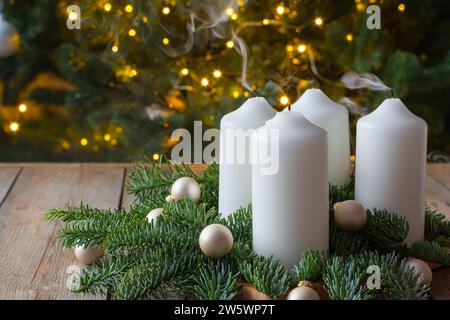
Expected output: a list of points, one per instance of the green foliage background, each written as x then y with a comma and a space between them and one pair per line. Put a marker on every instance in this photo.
410, 53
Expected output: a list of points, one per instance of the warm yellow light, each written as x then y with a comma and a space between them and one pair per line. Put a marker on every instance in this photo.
133, 73
166, 10
107, 137
301, 48
22, 107
144, 19
119, 130
113, 142
217, 73
129, 8
246, 94
84, 142
165, 41
65, 145
352, 158
281, 9
360, 6
284, 100
114, 48
234, 16
401, 7
289, 48
107, 7
155, 156
235, 94
131, 32
73, 15
230, 44
266, 22
205, 82
349, 37
229, 11
295, 61
14, 126
184, 71
318, 21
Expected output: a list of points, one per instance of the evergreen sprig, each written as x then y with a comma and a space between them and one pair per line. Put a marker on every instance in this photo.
162, 259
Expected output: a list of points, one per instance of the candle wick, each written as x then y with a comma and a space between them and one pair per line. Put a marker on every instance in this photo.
289, 107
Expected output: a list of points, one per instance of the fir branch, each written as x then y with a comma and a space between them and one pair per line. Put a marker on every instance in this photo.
240, 224
385, 230
310, 266
345, 280
340, 193
430, 251
436, 224
215, 280
267, 275
186, 212
345, 243
82, 212
405, 284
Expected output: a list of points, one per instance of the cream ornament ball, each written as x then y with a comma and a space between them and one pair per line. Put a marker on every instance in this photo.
9, 38
420, 267
216, 240
154, 214
350, 215
185, 187
88, 255
303, 292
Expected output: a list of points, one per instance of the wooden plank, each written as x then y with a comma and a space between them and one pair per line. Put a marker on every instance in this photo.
127, 198
7, 178
438, 195
32, 264
440, 171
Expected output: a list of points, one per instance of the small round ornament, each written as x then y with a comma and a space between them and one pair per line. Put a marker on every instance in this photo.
185, 187
154, 214
350, 215
304, 291
420, 267
9, 38
88, 255
169, 198
216, 240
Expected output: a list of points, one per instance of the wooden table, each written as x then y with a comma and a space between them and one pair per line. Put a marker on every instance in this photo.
32, 264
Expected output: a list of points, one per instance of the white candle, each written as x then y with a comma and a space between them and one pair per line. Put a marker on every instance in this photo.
290, 207
333, 118
235, 174
391, 148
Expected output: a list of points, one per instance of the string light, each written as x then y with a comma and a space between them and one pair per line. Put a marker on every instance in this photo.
84, 142
318, 21
166, 10
113, 142
230, 44
301, 48
284, 100
229, 11
234, 16
132, 32
295, 61
184, 71
289, 48
14, 126
107, 7
349, 37
280, 9
65, 145
266, 22
205, 82
119, 130
352, 158
107, 137
144, 19
22, 107
165, 41
360, 6
401, 7
246, 94
235, 94
133, 73
217, 73
155, 156
129, 8
114, 48
73, 15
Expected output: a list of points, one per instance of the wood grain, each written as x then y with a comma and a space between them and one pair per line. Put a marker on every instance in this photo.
8, 176
33, 266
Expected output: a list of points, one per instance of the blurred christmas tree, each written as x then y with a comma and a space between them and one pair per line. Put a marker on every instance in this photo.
136, 70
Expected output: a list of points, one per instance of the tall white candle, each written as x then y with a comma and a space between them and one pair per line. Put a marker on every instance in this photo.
391, 148
235, 189
333, 118
290, 207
